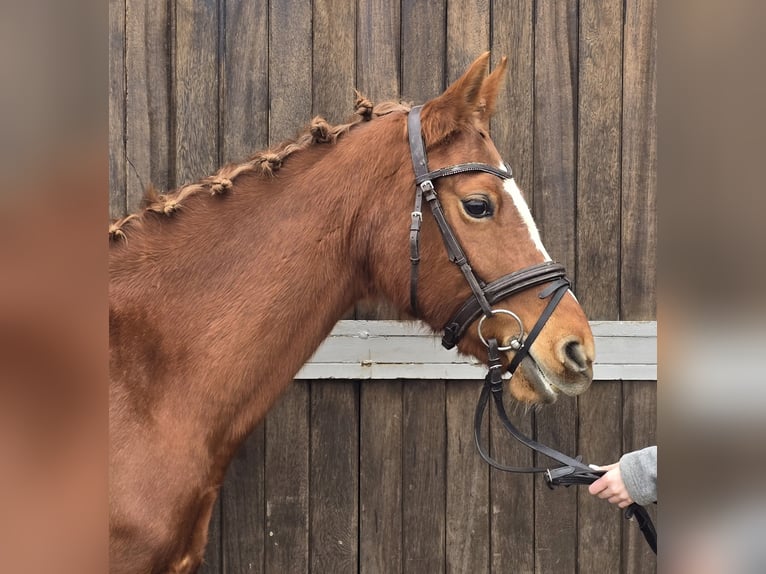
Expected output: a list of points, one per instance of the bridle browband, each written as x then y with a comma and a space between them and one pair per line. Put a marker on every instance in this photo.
479, 306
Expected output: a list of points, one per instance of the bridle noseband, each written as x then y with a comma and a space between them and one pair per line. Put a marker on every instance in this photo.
479, 306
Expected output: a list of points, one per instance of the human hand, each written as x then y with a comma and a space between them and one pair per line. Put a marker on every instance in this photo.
611, 486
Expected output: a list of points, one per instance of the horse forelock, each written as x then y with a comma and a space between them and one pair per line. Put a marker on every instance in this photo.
265, 163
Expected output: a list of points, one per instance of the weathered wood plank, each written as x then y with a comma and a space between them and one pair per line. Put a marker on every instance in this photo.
287, 482
513, 123
554, 208
423, 33
334, 475
380, 478
598, 161
512, 496
244, 129
556, 510
195, 118
639, 420
377, 77
242, 508
245, 79
377, 49
148, 112
555, 134
468, 536
196, 89
467, 34
391, 349
598, 264
638, 298
117, 62
415, 347
334, 68
599, 442
447, 371
424, 444
334, 64
289, 68
364, 328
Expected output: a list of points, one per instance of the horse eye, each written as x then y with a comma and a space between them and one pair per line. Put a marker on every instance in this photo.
477, 207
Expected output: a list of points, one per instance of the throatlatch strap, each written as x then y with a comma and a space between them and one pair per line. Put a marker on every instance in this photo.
415, 223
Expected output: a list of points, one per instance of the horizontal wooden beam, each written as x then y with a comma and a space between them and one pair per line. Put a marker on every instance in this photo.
625, 350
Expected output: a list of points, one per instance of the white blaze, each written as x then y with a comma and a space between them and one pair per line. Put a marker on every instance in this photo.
521, 206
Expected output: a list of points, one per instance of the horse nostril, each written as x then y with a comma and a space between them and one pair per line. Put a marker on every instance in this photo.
574, 356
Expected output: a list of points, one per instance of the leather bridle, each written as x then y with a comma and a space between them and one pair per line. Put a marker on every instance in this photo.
479, 306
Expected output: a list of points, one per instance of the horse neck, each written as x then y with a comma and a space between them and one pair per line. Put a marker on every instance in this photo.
236, 293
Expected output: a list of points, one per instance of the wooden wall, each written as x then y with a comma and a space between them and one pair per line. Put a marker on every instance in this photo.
382, 476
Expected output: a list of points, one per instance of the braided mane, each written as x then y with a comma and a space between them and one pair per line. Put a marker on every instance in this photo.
267, 162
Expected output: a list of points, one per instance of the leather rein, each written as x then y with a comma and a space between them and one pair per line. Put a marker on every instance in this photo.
480, 306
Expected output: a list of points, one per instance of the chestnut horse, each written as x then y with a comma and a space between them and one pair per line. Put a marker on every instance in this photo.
220, 291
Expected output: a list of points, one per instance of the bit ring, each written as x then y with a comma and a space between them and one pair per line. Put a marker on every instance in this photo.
516, 341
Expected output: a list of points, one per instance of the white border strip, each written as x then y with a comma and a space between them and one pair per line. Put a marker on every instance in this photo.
625, 350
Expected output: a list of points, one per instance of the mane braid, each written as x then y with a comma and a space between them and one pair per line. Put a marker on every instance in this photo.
319, 131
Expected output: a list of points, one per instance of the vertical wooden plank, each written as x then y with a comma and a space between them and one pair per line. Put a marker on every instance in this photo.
287, 482
423, 49
334, 58
334, 476
599, 442
148, 137
467, 485
195, 97
289, 68
377, 76
244, 129
555, 121
377, 48
513, 123
512, 496
639, 431
598, 160
380, 477
598, 258
334, 64
245, 79
468, 535
196, 89
424, 476
556, 510
467, 34
639, 162
555, 153
242, 508
639, 238
117, 174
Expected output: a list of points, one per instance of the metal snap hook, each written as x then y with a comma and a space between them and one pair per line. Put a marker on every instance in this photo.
516, 341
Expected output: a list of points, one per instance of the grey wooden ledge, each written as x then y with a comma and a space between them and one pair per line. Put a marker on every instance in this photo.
625, 350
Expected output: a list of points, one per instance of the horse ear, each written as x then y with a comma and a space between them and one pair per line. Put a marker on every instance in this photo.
488, 93
457, 105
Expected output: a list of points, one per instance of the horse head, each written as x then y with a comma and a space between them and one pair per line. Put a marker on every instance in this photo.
491, 222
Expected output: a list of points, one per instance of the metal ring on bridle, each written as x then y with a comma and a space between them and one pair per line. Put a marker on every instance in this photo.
516, 341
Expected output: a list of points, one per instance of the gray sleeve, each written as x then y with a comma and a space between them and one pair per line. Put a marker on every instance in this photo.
639, 473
